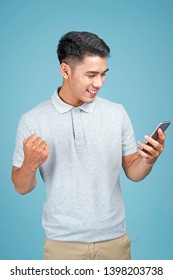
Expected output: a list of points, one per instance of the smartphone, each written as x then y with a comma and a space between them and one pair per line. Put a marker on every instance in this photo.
163, 125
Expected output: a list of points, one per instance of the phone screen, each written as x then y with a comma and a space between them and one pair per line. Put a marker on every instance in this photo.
163, 125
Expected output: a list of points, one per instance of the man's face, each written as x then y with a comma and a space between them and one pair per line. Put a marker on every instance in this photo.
85, 80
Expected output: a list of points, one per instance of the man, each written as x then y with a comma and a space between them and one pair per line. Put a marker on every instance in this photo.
80, 142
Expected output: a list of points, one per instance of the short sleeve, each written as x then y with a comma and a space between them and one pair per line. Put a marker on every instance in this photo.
128, 138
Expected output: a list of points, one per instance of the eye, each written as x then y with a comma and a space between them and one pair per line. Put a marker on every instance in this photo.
90, 76
103, 74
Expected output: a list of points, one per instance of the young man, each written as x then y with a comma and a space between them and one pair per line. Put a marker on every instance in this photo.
80, 143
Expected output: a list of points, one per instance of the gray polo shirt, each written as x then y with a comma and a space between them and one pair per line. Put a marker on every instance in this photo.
82, 173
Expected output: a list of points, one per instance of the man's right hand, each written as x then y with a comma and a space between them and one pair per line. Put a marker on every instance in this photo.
36, 152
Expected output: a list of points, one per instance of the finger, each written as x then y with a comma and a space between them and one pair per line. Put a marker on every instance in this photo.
151, 142
143, 153
147, 149
31, 138
47, 148
42, 145
39, 141
162, 135
157, 145
153, 149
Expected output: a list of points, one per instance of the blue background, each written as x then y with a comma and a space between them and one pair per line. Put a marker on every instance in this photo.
140, 35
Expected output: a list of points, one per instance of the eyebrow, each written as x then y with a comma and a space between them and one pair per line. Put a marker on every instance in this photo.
96, 72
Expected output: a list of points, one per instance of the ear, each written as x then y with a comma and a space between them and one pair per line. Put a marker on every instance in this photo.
65, 70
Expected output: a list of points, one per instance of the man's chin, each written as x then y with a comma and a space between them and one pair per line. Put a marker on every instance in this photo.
89, 98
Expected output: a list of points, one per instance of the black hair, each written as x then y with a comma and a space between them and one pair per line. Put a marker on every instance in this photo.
75, 45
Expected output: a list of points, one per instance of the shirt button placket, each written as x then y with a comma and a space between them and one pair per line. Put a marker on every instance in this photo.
77, 127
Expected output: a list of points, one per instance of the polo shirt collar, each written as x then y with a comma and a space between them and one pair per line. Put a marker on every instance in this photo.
88, 107
63, 107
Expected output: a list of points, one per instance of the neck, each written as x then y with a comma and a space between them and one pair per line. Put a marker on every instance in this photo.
66, 96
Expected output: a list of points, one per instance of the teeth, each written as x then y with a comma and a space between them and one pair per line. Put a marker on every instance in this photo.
91, 91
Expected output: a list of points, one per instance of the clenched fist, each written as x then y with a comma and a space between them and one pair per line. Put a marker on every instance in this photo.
36, 152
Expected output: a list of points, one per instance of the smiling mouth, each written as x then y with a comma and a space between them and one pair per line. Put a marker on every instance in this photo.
92, 92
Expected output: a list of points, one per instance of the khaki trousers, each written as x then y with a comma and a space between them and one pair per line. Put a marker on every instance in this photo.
115, 249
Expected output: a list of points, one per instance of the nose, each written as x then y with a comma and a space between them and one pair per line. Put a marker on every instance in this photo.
98, 81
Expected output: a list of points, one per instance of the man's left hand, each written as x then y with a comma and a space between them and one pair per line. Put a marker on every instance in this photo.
151, 152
